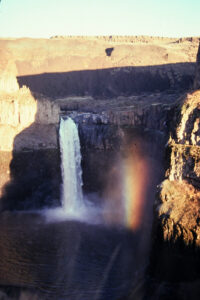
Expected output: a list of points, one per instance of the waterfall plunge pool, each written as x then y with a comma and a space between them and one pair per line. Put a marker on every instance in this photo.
65, 260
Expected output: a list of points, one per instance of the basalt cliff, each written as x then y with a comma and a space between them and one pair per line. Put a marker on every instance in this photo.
197, 76
97, 67
174, 265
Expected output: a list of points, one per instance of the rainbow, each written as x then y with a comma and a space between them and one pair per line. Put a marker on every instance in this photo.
135, 177
126, 190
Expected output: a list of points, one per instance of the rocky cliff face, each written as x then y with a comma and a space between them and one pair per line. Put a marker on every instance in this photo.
8, 76
197, 76
81, 67
177, 207
176, 235
174, 263
29, 156
20, 112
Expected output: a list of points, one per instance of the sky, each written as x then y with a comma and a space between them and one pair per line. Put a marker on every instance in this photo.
46, 18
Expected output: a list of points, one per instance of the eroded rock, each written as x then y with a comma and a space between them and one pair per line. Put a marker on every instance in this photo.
27, 122
197, 77
176, 231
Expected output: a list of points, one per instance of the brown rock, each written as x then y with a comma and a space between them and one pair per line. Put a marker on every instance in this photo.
80, 66
30, 120
197, 76
178, 207
179, 211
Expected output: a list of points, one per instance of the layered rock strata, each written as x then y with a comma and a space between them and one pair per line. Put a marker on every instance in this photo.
197, 75
20, 111
29, 155
80, 66
179, 196
174, 265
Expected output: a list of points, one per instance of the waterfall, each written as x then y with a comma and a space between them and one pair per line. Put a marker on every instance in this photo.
72, 197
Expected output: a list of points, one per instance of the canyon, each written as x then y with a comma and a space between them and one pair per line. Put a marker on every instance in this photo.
138, 93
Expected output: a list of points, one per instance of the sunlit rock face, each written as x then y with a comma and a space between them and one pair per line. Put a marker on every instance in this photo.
183, 174
175, 254
8, 83
185, 141
8, 73
174, 263
179, 212
20, 111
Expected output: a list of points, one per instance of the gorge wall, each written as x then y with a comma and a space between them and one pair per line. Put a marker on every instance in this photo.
30, 155
197, 75
19, 110
81, 67
175, 260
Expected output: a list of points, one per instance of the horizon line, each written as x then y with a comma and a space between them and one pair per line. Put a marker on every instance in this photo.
99, 35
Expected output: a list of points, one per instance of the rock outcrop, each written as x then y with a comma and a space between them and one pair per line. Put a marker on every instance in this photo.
178, 204
197, 76
8, 76
176, 233
174, 261
29, 156
19, 113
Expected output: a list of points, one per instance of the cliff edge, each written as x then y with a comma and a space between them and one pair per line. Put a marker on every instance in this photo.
98, 67
177, 206
197, 77
20, 111
174, 264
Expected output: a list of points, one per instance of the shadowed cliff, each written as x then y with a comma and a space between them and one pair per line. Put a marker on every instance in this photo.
112, 82
197, 75
174, 267
81, 65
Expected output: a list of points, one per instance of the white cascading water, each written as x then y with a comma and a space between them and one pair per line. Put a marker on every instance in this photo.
72, 197
74, 205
